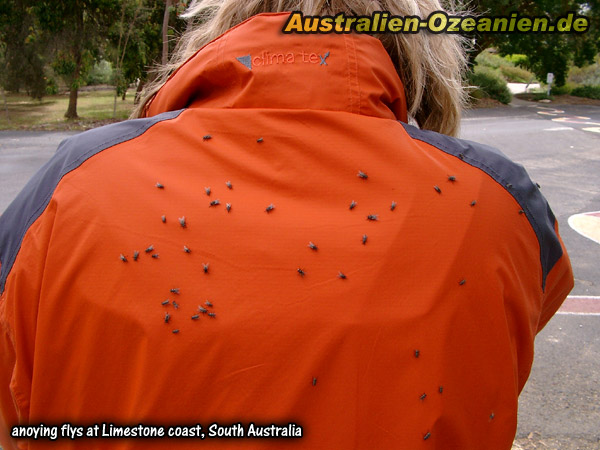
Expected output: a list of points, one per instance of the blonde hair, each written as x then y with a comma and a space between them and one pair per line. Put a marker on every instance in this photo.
431, 66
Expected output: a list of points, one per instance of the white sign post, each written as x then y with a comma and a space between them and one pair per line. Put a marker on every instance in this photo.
549, 80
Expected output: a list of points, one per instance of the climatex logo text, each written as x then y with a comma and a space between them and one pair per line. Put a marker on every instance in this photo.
271, 58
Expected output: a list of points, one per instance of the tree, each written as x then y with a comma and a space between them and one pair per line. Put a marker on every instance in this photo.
22, 49
545, 52
136, 41
165, 33
131, 10
76, 29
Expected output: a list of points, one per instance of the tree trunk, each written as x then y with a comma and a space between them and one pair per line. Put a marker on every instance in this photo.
115, 105
72, 109
165, 33
5, 104
138, 91
77, 53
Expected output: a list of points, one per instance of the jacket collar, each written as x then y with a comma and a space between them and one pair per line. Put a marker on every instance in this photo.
255, 65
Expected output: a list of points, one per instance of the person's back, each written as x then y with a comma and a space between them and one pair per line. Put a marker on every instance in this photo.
283, 250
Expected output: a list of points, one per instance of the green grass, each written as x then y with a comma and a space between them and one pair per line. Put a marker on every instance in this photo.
93, 107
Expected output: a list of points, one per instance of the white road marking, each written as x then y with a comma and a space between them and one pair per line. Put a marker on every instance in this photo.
565, 313
587, 230
574, 120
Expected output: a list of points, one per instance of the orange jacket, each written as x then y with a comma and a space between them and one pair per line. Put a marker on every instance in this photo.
272, 245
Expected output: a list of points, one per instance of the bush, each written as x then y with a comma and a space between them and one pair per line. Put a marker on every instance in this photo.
487, 59
491, 83
587, 91
507, 66
101, 73
566, 89
514, 74
588, 75
517, 60
51, 86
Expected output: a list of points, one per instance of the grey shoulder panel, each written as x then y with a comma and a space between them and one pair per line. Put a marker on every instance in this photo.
35, 196
512, 177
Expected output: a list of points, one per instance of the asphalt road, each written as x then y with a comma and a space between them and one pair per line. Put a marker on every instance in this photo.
560, 148
22, 153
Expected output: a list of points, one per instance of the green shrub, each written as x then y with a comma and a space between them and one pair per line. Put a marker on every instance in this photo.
517, 60
514, 74
537, 96
588, 75
562, 90
51, 86
507, 65
101, 73
487, 59
587, 91
491, 83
